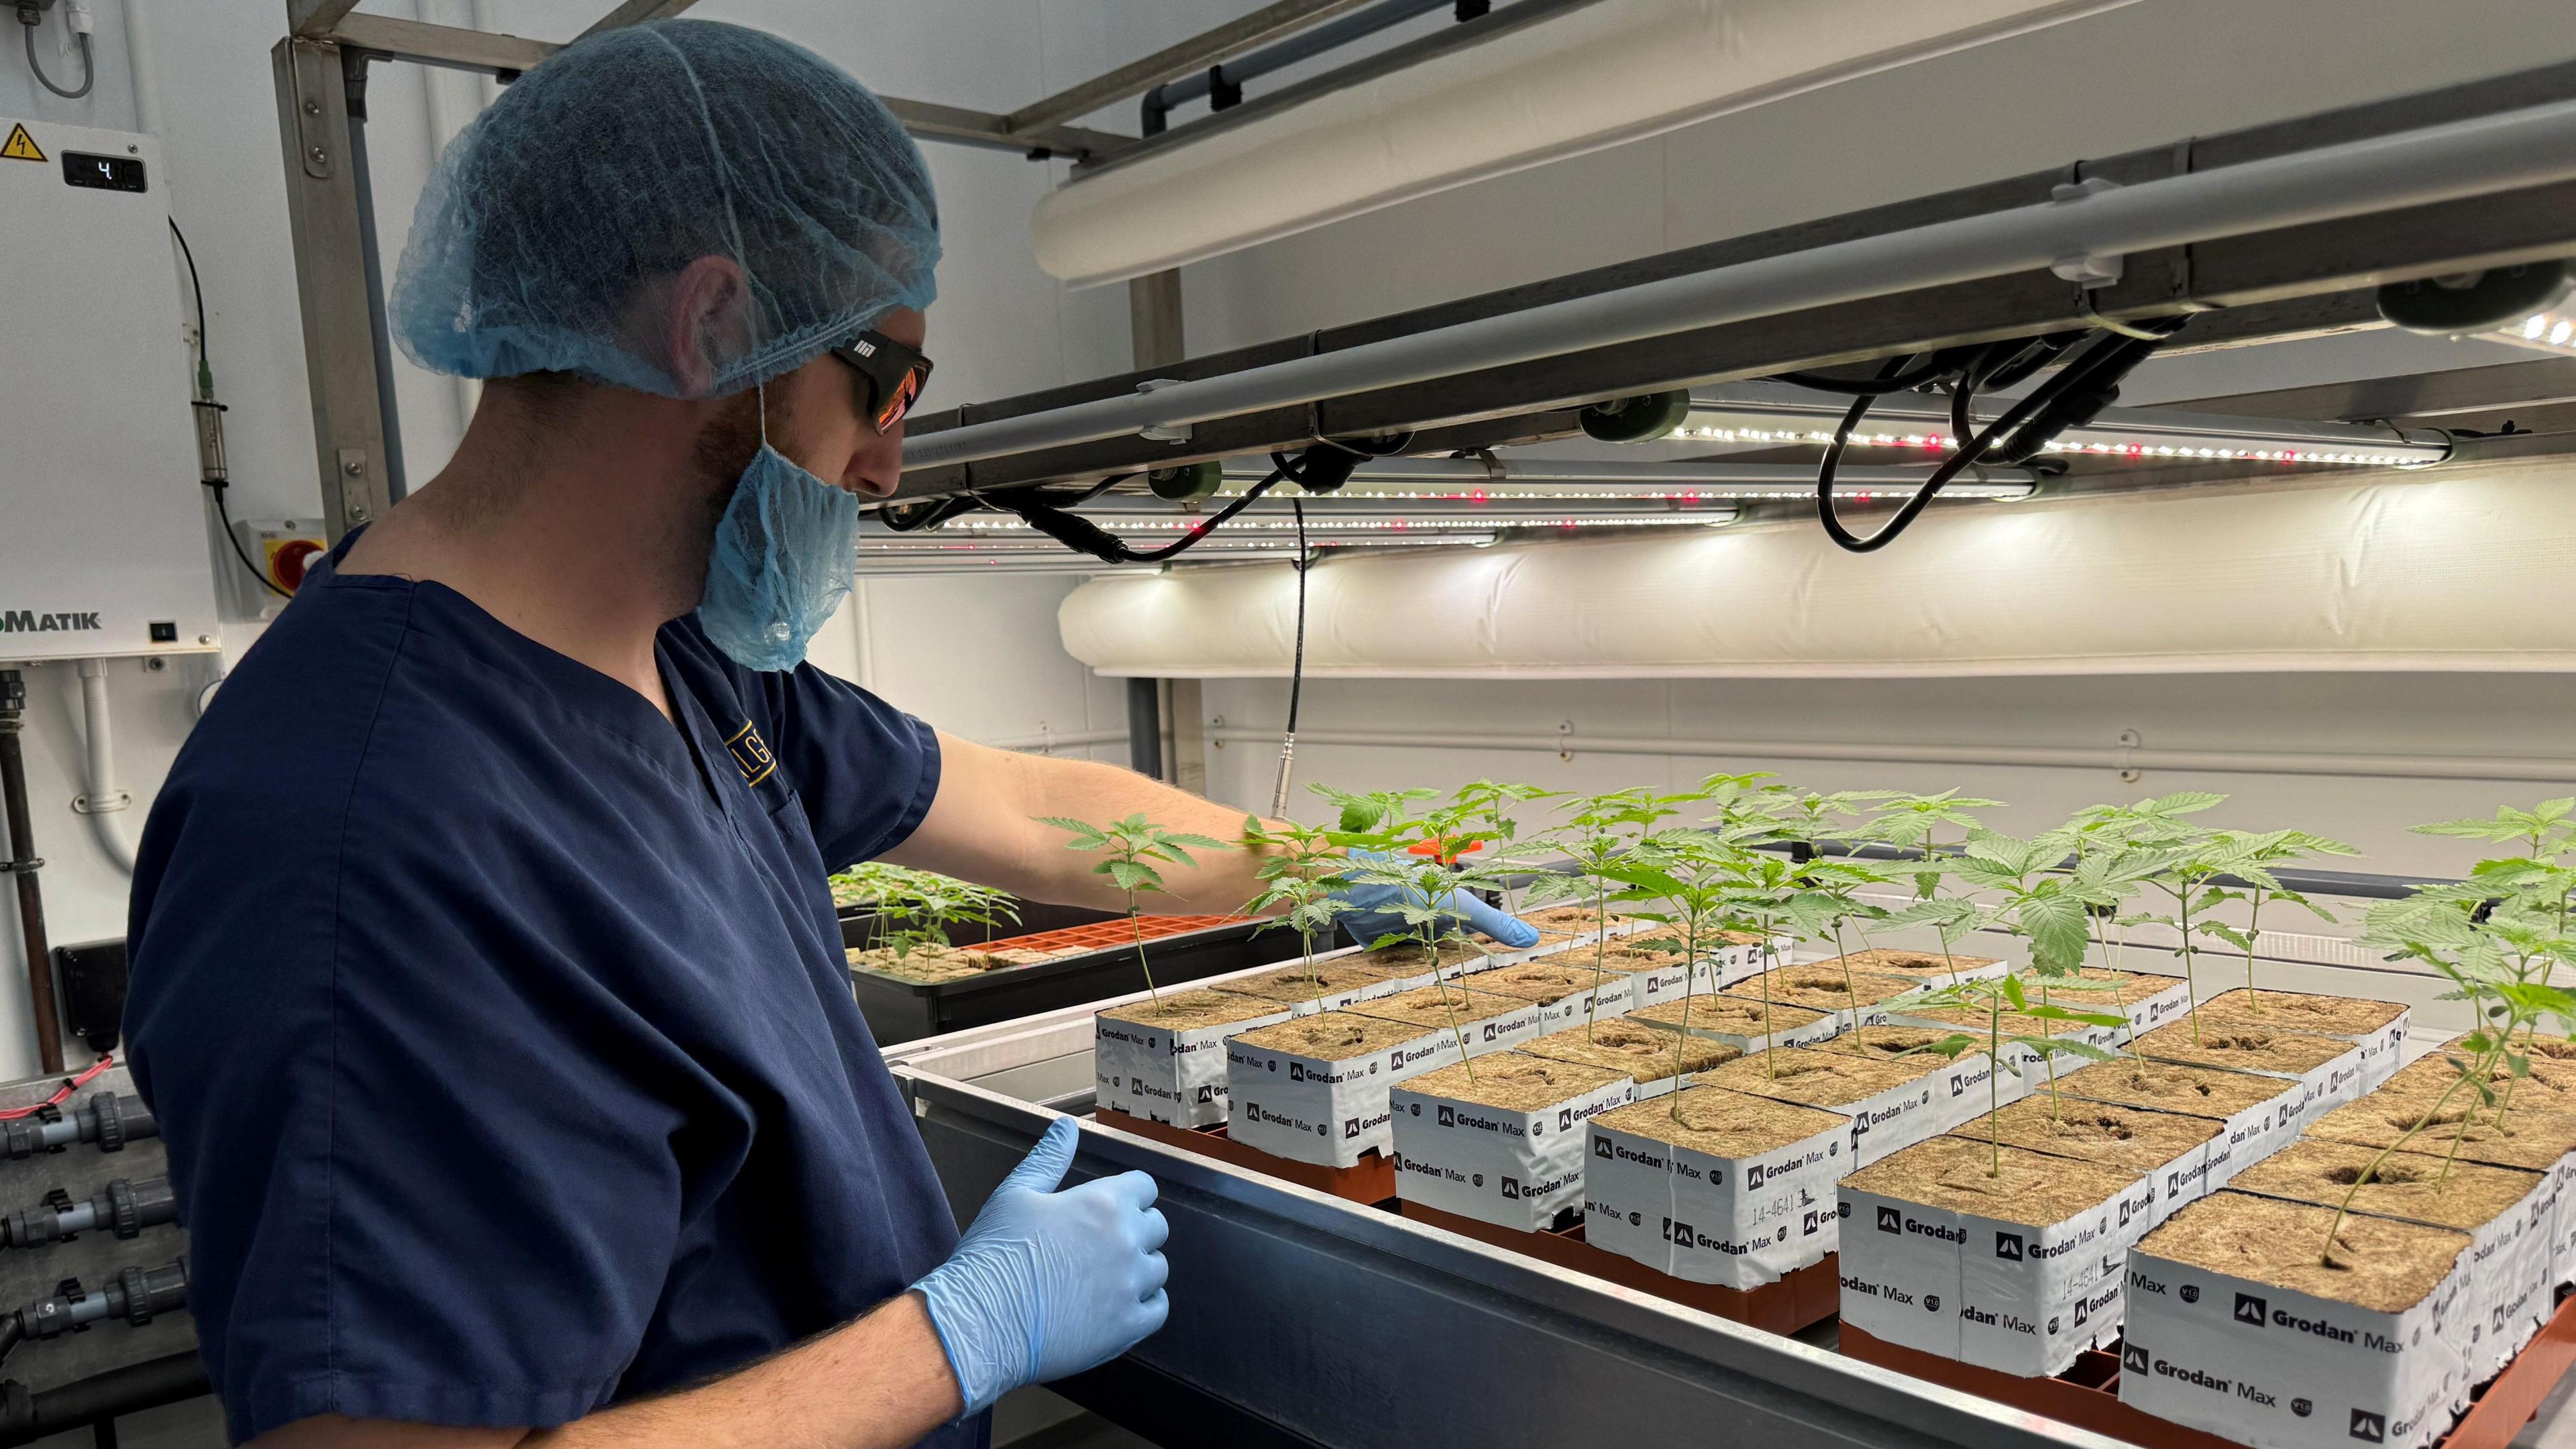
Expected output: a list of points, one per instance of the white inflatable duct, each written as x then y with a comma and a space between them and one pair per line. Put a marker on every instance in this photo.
1601, 74
2442, 572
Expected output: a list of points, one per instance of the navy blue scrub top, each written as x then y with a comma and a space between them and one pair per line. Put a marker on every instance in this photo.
500, 1031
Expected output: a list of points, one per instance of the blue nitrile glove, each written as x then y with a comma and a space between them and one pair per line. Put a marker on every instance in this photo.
1374, 911
1049, 1283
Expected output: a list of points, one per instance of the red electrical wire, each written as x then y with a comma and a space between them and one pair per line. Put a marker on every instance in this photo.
62, 1093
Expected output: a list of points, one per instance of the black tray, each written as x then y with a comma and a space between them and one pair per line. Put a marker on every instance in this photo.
907, 1011
859, 924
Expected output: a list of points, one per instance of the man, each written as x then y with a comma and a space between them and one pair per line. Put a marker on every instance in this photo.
485, 978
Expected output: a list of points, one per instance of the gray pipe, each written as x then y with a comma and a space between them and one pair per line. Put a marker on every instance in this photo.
1305, 45
2452, 162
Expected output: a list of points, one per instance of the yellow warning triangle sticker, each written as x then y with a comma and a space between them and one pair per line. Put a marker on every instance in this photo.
20, 146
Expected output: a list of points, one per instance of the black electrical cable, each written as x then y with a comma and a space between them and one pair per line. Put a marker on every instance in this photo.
1297, 670
205, 358
1083, 536
206, 376
2105, 359
1880, 385
89, 61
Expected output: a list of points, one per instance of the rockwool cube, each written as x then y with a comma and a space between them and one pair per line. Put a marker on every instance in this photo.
2148, 1001
2170, 1150
1738, 1023
1656, 1060
2327, 1069
1889, 1104
1327, 985
1932, 968
1823, 986
2258, 1115
1566, 990
2378, 1028
2507, 1213
2236, 1328
1911, 1045
1313, 1088
1500, 1138
1485, 1022
2542, 1142
2006, 1259
1165, 1060
1738, 1192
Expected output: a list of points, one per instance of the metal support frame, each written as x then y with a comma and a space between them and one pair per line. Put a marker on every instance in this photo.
1269, 23
2290, 280
326, 212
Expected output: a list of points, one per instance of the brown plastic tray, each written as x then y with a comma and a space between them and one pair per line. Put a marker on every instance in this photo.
1370, 1183
1806, 1297
2088, 1394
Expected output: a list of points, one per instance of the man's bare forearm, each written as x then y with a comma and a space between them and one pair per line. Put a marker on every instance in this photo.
879, 1383
983, 827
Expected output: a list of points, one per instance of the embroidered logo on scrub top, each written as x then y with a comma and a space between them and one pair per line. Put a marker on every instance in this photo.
751, 754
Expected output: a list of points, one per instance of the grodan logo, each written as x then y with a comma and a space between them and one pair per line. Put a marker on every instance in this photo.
1350, 1129
1890, 1220
1448, 1117
2253, 1310
1753, 1175
1601, 1148
2008, 1246
1512, 1189
1296, 1071
1565, 1119
2368, 1427
2133, 1359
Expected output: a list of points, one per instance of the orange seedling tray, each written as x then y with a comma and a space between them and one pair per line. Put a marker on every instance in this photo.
1368, 1184
1101, 934
2088, 1394
1806, 1297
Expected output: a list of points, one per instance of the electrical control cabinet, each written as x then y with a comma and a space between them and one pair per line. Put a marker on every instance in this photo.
104, 547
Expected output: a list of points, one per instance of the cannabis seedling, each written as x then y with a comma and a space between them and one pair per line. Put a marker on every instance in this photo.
2252, 857
1693, 874
1301, 883
1914, 823
1995, 998
1597, 834
1135, 849
1488, 806
1422, 859
918, 908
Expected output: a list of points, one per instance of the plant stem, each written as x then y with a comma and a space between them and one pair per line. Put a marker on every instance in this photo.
1770, 1026
1994, 1089
2182, 901
2326, 1258
1600, 952
1850, 990
2253, 933
1690, 975
1136, 923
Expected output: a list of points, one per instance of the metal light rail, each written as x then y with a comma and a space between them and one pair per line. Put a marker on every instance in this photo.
2087, 231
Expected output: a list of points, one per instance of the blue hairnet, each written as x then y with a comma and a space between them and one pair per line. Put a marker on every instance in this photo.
602, 173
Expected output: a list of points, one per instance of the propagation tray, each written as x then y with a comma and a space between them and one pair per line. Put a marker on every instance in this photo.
1300, 1319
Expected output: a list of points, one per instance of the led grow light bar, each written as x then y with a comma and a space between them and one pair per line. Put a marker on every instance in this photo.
2553, 332
1565, 482
1771, 414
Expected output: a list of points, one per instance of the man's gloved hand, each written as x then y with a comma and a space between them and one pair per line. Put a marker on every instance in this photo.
1374, 911
1049, 1283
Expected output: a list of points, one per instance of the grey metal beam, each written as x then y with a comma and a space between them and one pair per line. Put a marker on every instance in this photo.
312, 18
635, 12
1262, 26
931, 121
327, 225
2458, 392
453, 47
457, 48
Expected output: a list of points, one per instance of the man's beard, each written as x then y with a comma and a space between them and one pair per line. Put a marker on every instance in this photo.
723, 452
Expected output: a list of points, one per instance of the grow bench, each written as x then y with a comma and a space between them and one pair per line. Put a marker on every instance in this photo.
1802, 1299
2088, 1394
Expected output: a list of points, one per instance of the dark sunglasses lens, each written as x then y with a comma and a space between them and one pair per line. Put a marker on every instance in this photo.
901, 401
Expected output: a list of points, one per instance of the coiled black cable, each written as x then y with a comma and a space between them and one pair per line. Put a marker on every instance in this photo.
1083, 536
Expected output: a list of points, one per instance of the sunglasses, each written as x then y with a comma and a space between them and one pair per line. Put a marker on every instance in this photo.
894, 374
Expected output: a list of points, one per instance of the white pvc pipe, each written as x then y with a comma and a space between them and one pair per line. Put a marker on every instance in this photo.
100, 800
2225, 762
2452, 162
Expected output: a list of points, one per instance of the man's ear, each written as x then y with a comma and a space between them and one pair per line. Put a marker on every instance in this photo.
705, 321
